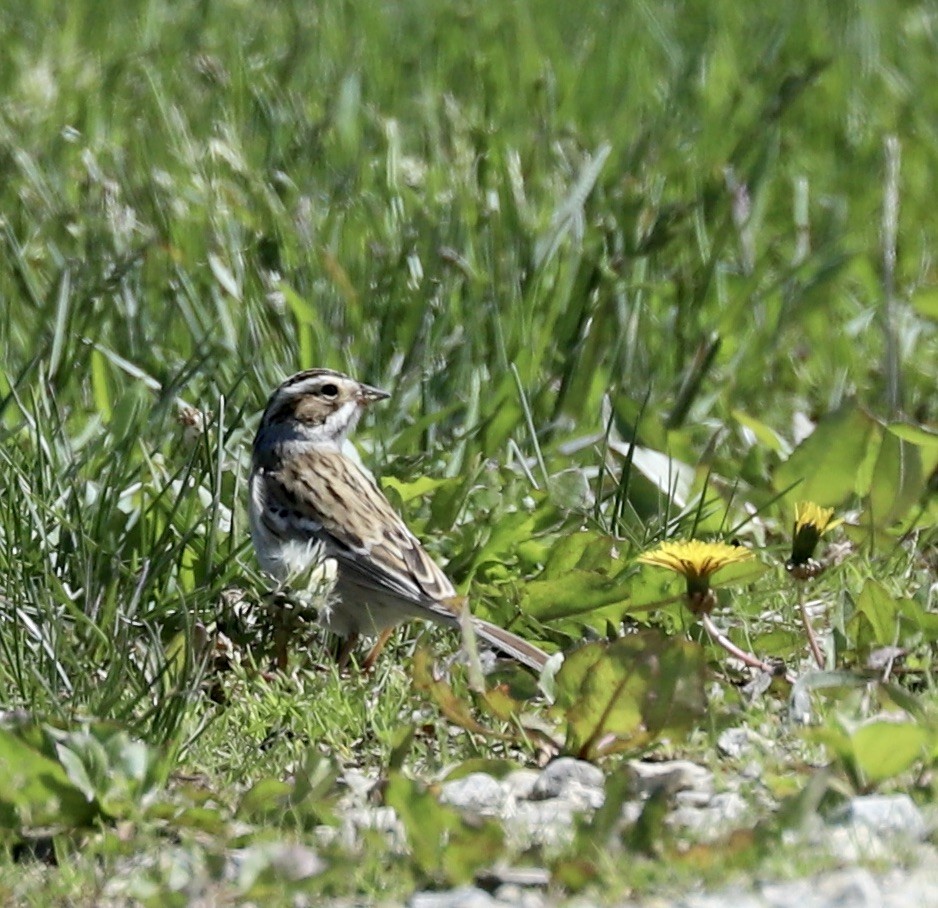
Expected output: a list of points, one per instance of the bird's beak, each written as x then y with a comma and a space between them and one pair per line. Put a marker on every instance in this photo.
367, 395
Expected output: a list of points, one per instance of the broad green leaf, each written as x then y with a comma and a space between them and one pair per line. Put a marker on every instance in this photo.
402, 742
565, 554
648, 833
652, 587
575, 593
676, 699
880, 610
472, 847
824, 468
586, 550
496, 767
917, 435
623, 695
76, 771
315, 782
208, 820
506, 535
444, 846
882, 749
426, 821
594, 695
777, 642
120, 772
455, 708
897, 480
916, 620
447, 502
35, 790
264, 799
740, 573
619, 788
418, 488
307, 800
766, 436
570, 490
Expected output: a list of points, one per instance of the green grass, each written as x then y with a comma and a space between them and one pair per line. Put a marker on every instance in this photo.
550, 232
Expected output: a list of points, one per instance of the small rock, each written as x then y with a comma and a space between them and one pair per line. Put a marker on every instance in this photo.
852, 844
478, 792
358, 786
461, 897
854, 887
735, 896
723, 813
672, 776
692, 797
885, 814
293, 861
520, 783
851, 887
518, 897
548, 824
799, 707
580, 783
915, 886
381, 819
734, 742
631, 811
500, 877
288, 861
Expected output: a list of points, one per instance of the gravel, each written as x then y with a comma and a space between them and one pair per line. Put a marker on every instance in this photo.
539, 811
540, 808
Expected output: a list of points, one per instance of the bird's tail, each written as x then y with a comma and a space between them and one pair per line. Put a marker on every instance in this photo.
510, 644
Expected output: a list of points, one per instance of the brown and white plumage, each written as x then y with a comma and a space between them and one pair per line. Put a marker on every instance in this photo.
311, 502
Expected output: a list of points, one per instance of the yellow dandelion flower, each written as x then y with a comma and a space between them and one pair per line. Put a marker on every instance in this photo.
698, 562
811, 522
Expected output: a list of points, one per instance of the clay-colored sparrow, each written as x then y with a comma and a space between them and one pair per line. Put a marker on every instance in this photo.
310, 503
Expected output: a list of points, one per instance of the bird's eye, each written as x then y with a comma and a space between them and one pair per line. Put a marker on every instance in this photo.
330, 391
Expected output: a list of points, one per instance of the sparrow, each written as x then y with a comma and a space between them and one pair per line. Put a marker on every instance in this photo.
312, 504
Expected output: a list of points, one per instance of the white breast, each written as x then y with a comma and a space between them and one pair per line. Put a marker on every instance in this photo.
286, 557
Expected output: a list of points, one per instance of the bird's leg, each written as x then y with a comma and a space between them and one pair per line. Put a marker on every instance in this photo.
279, 604
345, 650
372, 657
281, 647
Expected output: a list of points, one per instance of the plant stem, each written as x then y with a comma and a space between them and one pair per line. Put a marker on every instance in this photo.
809, 629
745, 657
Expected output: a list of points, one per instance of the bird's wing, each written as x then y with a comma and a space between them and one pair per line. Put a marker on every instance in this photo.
323, 494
